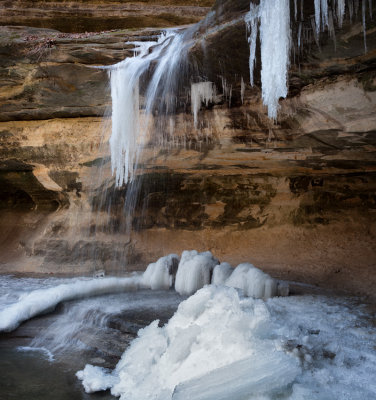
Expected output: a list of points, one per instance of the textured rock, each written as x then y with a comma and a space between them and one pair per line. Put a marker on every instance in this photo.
295, 196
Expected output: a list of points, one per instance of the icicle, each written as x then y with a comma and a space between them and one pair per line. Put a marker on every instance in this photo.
242, 89
324, 13
332, 31
275, 48
370, 8
340, 11
351, 9
201, 92
301, 9
252, 19
299, 34
296, 9
317, 15
364, 25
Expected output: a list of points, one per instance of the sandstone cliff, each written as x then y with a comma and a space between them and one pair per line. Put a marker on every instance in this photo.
295, 196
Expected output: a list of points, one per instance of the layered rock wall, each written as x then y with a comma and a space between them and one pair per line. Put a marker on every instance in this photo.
295, 196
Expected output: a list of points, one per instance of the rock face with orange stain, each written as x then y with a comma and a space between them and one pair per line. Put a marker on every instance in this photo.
295, 196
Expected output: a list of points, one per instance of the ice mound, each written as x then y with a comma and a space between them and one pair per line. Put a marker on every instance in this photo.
194, 271
212, 329
253, 282
43, 300
161, 274
221, 273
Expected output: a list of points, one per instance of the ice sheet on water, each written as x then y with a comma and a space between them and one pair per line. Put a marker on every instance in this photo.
40, 301
194, 271
211, 329
161, 274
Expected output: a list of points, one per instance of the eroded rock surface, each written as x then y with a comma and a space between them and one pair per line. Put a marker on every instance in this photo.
295, 196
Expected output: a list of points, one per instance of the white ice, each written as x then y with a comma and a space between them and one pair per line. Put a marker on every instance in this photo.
253, 282
161, 274
274, 19
202, 92
275, 52
43, 300
212, 329
194, 271
222, 346
221, 273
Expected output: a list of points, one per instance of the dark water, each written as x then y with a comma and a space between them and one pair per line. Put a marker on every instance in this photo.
29, 375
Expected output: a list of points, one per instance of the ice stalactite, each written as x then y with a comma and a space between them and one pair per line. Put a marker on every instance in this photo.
296, 9
252, 20
242, 90
274, 19
126, 129
202, 92
275, 50
341, 4
318, 15
364, 25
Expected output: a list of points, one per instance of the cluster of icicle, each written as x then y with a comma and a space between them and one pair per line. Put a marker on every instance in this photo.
127, 128
272, 18
195, 270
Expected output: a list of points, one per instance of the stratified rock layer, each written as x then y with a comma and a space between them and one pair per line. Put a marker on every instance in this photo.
295, 196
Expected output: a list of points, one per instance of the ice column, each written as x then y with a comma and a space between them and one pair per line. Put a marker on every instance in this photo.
201, 92
275, 49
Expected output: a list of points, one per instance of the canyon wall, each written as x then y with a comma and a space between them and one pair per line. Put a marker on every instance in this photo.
294, 196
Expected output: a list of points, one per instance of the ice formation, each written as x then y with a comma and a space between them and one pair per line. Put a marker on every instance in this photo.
127, 129
43, 300
194, 271
202, 92
252, 20
212, 329
253, 282
161, 274
274, 19
221, 273
341, 4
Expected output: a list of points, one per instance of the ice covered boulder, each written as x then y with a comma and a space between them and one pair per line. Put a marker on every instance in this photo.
214, 338
221, 273
161, 274
194, 271
253, 282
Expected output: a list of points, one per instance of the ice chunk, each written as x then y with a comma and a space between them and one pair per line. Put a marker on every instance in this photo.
194, 271
43, 300
221, 273
253, 282
212, 329
242, 379
161, 274
95, 379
